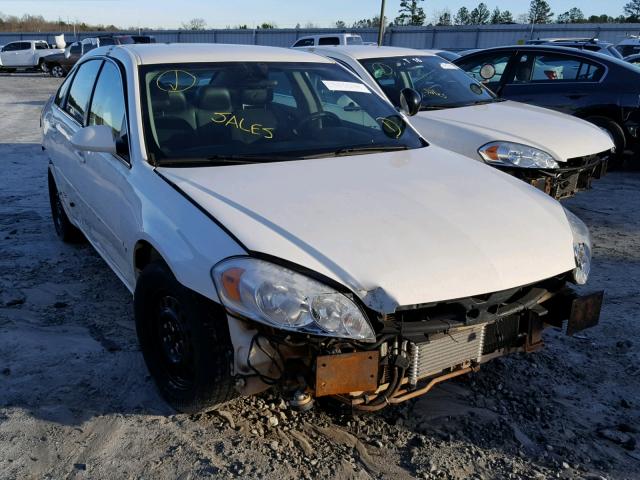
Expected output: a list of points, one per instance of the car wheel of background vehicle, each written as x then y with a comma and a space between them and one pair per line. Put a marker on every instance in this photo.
56, 71
66, 230
616, 132
185, 341
42, 66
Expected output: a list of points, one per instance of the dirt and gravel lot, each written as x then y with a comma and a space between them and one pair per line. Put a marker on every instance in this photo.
76, 400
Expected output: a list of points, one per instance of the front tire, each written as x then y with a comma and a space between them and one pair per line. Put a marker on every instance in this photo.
185, 341
617, 134
66, 230
42, 66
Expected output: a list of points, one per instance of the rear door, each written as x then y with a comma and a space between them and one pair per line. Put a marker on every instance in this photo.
556, 80
25, 55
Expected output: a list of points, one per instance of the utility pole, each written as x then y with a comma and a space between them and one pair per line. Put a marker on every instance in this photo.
381, 28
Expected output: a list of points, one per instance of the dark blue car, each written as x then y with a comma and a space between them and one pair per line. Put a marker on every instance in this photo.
598, 88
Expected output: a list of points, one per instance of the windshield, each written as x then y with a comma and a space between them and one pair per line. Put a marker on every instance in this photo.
261, 112
441, 84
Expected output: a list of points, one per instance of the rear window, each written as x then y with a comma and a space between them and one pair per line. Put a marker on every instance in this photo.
354, 40
556, 68
329, 41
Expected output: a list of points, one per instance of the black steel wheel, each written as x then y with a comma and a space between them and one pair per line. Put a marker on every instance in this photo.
185, 342
66, 230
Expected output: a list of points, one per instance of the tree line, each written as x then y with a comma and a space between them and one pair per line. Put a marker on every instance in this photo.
412, 13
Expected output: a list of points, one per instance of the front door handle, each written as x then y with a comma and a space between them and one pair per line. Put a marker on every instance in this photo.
575, 96
81, 156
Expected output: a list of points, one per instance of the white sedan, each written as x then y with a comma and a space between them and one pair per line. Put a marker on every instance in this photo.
279, 223
557, 153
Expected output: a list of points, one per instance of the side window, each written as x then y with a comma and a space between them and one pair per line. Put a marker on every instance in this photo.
487, 69
24, 46
80, 92
75, 49
9, 47
41, 46
329, 41
61, 94
341, 100
283, 91
304, 42
108, 105
558, 68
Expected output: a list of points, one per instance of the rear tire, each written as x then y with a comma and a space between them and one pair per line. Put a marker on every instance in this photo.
66, 230
42, 66
185, 341
56, 71
616, 132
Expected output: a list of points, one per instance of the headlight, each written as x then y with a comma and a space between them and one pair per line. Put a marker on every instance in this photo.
581, 248
287, 300
516, 155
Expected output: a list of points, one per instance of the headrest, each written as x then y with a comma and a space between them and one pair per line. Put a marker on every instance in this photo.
169, 102
257, 96
214, 98
177, 102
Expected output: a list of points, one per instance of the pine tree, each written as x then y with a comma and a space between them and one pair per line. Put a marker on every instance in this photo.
540, 11
462, 17
496, 16
480, 15
506, 17
632, 9
444, 19
574, 15
410, 13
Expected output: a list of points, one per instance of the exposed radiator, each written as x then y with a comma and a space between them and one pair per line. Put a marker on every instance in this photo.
445, 351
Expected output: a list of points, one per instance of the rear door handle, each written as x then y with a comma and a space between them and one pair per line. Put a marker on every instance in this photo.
575, 96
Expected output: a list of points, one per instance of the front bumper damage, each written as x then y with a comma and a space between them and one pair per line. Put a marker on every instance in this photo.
416, 347
564, 182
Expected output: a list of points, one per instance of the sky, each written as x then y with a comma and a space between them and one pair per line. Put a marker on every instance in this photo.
283, 13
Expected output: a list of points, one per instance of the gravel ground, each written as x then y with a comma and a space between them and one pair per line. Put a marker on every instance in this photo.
76, 400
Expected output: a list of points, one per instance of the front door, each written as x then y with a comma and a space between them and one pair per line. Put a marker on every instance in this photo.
114, 208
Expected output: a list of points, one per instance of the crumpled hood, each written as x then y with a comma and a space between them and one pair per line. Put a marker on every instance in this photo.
397, 228
561, 135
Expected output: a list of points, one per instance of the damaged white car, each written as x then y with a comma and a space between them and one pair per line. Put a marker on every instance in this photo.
280, 224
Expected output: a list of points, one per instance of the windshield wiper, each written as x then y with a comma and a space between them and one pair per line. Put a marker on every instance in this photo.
219, 159
358, 151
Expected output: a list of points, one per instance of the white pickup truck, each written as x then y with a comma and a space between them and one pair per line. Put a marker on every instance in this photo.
26, 54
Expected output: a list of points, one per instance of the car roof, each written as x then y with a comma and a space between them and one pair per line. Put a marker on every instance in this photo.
600, 57
158, 53
550, 47
370, 51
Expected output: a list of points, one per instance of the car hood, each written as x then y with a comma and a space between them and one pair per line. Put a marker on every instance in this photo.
397, 228
560, 135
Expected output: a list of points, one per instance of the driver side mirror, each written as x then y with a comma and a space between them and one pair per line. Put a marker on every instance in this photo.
410, 101
94, 138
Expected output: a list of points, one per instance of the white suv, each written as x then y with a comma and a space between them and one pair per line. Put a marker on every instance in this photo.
329, 39
279, 223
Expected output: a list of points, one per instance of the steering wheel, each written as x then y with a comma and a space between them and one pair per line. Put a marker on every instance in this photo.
331, 118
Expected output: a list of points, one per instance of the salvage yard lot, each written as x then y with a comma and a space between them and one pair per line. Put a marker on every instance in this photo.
76, 400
